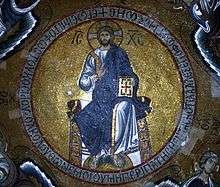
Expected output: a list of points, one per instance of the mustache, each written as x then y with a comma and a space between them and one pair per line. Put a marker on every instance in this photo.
104, 42
100, 40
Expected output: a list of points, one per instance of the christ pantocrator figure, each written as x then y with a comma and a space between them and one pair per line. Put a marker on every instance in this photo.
108, 119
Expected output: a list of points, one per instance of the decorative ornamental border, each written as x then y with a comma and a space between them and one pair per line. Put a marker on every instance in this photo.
182, 63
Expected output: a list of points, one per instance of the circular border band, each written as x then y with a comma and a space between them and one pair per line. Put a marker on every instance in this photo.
189, 94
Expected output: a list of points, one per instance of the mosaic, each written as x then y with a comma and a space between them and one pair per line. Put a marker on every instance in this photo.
112, 99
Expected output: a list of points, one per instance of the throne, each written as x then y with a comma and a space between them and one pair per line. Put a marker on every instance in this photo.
77, 149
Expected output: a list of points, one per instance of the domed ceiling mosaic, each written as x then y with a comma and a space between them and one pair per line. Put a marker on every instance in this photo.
110, 93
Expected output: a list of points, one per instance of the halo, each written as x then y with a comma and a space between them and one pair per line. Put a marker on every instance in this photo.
95, 27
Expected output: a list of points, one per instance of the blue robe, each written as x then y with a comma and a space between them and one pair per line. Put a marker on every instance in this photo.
95, 120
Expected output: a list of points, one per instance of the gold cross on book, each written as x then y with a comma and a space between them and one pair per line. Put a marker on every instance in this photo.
125, 87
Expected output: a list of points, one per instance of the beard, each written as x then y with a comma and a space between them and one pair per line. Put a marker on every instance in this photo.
104, 42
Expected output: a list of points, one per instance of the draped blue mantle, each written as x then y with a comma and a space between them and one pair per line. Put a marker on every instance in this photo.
95, 120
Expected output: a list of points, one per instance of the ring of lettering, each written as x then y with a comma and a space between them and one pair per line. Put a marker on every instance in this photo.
182, 63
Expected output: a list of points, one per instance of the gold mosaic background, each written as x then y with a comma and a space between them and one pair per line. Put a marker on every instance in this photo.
59, 70
206, 121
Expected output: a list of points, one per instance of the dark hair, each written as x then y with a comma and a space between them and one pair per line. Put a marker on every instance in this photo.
206, 156
105, 28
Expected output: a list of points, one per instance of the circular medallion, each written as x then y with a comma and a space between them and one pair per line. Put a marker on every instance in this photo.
107, 95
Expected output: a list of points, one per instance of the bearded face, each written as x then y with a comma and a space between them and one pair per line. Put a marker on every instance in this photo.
104, 38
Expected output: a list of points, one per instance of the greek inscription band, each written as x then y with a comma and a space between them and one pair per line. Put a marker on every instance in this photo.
136, 39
